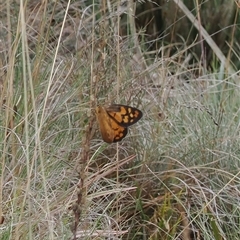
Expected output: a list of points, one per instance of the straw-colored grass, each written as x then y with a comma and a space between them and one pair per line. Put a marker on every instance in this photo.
174, 176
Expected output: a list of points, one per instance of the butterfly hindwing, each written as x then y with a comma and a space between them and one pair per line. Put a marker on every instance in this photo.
119, 131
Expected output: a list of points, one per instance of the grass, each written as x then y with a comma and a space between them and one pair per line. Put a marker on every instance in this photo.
176, 174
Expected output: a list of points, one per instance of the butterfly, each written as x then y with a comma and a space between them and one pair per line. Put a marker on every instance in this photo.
115, 120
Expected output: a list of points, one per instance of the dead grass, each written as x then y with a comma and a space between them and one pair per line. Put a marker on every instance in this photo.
175, 175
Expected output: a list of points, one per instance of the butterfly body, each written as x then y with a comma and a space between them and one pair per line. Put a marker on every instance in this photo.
115, 120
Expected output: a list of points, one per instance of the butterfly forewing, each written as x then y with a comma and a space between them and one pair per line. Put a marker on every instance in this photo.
124, 115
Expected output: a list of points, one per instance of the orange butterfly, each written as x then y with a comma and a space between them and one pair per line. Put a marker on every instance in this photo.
115, 120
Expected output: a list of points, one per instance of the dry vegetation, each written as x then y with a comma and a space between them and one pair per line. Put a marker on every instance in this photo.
176, 174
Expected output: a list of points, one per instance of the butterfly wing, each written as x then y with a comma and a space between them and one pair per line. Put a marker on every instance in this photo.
124, 115
110, 130
119, 131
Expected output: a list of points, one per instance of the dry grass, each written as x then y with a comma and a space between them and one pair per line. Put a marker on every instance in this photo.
176, 175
